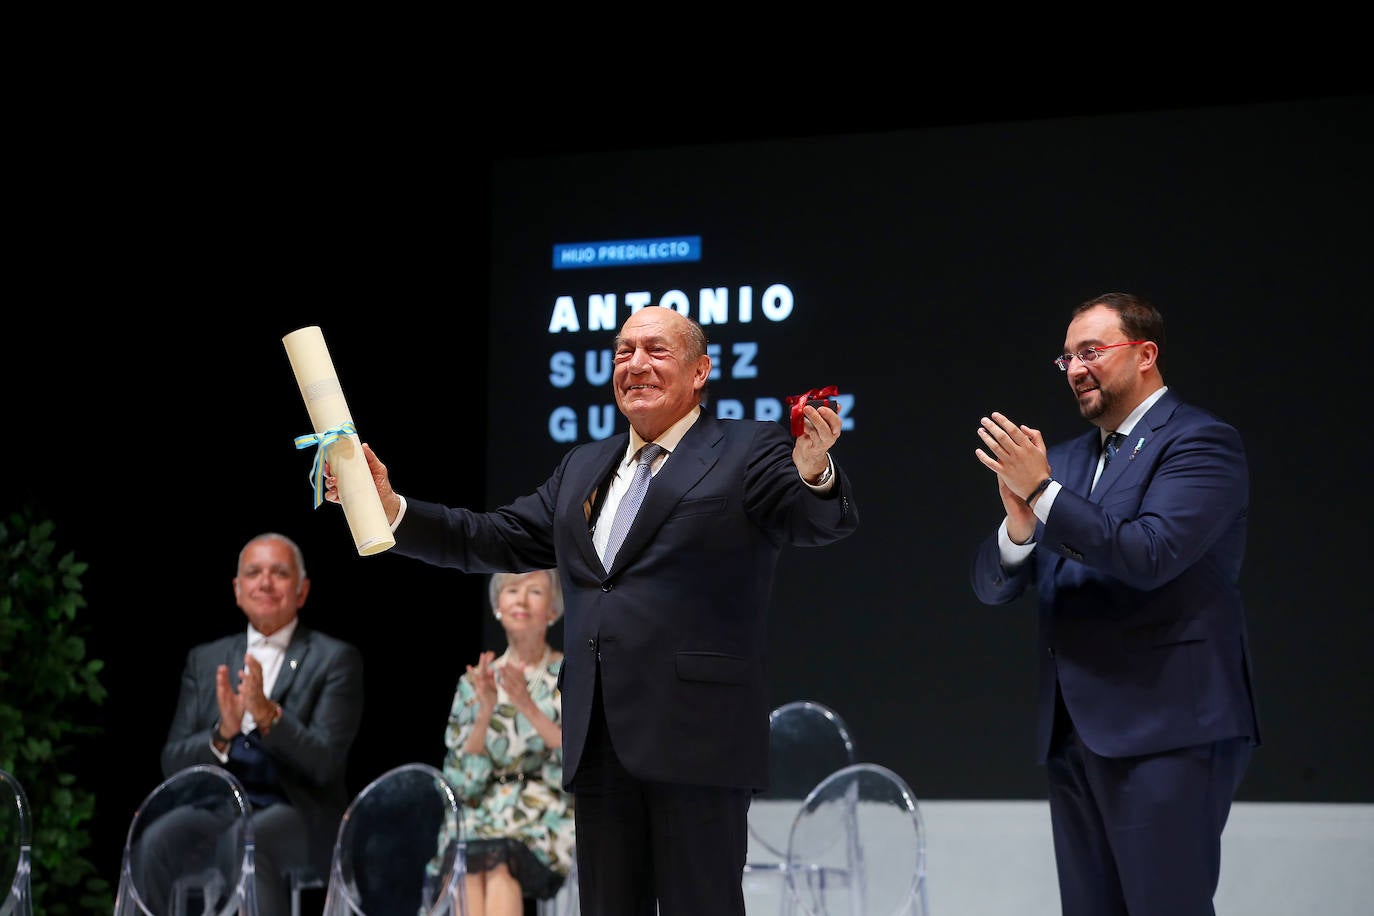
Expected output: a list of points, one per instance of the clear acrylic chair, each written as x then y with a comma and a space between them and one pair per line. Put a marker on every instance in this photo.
16, 848
301, 878
189, 849
400, 849
857, 847
807, 741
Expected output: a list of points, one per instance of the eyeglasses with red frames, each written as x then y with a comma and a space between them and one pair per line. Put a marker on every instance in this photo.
1090, 354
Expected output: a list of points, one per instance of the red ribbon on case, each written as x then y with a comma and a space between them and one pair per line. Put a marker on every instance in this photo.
798, 401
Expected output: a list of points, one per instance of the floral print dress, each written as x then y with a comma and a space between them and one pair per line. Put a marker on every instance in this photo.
514, 790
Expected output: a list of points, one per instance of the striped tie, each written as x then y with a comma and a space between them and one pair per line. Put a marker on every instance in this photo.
629, 504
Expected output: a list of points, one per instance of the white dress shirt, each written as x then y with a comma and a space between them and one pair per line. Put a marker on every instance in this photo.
625, 471
270, 651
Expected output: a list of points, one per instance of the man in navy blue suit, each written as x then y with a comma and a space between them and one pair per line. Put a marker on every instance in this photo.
665, 700
1133, 534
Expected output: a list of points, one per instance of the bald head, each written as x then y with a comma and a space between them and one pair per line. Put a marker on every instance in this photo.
661, 367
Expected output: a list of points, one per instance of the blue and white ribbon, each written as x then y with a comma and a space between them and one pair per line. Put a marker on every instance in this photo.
323, 441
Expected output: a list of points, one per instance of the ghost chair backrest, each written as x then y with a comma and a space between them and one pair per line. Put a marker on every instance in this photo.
16, 848
400, 848
190, 849
857, 847
807, 741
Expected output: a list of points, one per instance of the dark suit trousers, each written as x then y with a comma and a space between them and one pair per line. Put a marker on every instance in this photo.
639, 842
1140, 835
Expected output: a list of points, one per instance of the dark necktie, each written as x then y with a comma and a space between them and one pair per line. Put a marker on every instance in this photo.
629, 503
1110, 447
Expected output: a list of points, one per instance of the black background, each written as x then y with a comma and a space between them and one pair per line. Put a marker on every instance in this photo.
151, 410
933, 273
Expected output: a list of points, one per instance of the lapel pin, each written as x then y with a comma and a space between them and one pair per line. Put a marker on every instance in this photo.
1140, 443
293, 661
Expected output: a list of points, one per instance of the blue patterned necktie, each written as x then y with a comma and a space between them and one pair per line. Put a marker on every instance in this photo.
629, 503
1111, 446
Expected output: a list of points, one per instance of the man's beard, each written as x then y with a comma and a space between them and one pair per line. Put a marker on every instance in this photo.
1090, 410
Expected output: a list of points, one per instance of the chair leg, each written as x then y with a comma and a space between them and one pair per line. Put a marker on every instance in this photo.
207, 886
301, 879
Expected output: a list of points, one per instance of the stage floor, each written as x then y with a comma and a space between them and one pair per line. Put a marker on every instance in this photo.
995, 858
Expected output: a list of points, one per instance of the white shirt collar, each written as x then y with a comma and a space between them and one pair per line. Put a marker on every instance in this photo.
1134, 416
670, 438
278, 640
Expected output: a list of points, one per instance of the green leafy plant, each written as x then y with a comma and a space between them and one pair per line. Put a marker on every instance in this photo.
48, 688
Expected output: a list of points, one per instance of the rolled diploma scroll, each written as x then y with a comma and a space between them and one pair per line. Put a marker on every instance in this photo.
325, 402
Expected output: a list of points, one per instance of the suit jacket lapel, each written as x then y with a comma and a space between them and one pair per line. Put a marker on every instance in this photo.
238, 648
1082, 461
588, 487
233, 660
1136, 443
291, 662
1115, 469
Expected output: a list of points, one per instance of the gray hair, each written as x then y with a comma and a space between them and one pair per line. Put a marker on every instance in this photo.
274, 536
498, 582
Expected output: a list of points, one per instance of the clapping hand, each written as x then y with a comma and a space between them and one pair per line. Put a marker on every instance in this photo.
512, 677
483, 677
230, 703
1016, 453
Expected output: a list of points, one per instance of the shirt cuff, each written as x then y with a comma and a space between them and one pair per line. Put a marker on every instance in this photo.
1046, 500
1012, 553
827, 479
222, 757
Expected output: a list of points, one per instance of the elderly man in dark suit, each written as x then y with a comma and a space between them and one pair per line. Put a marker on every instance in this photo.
1133, 534
278, 705
665, 703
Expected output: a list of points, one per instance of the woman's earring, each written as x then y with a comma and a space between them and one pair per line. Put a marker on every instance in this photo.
498, 614
552, 622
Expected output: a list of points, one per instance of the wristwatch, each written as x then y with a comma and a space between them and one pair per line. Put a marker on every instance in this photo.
828, 473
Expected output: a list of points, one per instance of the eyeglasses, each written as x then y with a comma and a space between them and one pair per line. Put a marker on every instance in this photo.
1090, 354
